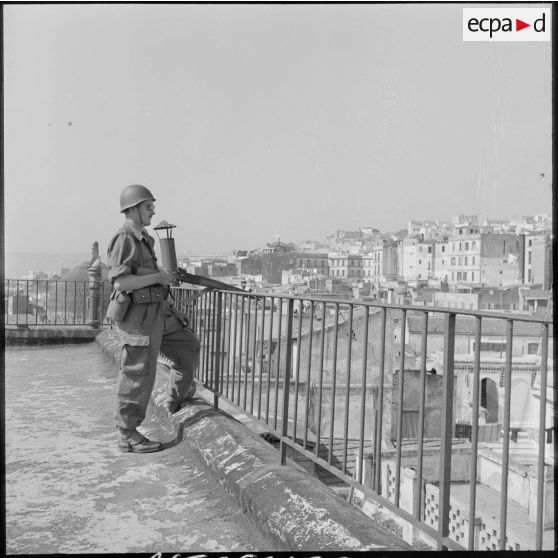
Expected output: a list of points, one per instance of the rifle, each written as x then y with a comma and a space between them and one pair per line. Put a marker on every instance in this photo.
169, 263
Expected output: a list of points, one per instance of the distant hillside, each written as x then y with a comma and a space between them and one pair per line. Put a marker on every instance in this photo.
18, 264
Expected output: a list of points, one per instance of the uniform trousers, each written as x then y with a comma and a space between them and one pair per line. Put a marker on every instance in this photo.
147, 330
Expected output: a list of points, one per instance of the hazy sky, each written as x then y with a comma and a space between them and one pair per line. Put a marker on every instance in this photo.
253, 121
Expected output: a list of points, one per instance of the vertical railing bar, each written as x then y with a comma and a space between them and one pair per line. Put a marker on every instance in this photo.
203, 330
321, 379
278, 371
226, 346
380, 409
286, 381
243, 298
230, 360
56, 303
203, 334
333, 383
506, 448
207, 329
46, 301
223, 345
209, 326
363, 396
262, 335
236, 297
422, 397
542, 441
474, 434
214, 344
85, 289
17, 301
298, 351
37, 302
27, 303
66, 301
401, 395
446, 430
308, 376
269, 361
247, 358
195, 311
348, 388
219, 353
7, 283
75, 301
210, 332
254, 344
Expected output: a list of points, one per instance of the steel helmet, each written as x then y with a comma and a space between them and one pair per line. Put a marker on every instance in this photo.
133, 195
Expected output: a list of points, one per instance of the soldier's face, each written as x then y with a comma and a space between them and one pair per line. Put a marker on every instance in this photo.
146, 212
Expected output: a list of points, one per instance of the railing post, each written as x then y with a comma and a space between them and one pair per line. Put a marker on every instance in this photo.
541, 441
447, 431
287, 381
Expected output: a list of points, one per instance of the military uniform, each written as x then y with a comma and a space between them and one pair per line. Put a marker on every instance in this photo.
150, 325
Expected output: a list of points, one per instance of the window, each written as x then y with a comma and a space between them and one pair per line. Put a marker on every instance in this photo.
443, 248
491, 347
532, 348
460, 246
473, 260
529, 276
530, 242
474, 245
464, 276
529, 257
466, 263
472, 275
466, 246
459, 275
453, 261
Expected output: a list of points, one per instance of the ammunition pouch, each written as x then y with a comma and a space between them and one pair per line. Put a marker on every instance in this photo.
154, 293
118, 306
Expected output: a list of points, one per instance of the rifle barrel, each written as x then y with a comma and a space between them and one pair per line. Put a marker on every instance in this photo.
203, 281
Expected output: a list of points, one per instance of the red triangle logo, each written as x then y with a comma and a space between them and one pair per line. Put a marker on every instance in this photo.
519, 25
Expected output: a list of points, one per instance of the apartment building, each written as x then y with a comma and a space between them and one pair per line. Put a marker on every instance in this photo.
345, 266
315, 262
417, 258
380, 263
538, 260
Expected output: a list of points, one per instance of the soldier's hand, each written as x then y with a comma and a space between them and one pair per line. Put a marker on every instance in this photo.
166, 278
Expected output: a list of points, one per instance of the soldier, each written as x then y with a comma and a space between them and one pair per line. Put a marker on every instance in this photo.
147, 322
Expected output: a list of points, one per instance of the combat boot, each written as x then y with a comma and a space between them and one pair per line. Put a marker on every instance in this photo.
175, 406
134, 442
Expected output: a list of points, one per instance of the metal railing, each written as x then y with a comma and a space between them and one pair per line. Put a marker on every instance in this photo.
325, 378
42, 302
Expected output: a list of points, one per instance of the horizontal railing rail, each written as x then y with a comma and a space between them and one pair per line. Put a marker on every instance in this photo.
47, 302
375, 396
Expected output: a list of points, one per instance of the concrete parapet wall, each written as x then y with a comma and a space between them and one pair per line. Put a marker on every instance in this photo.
37, 335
